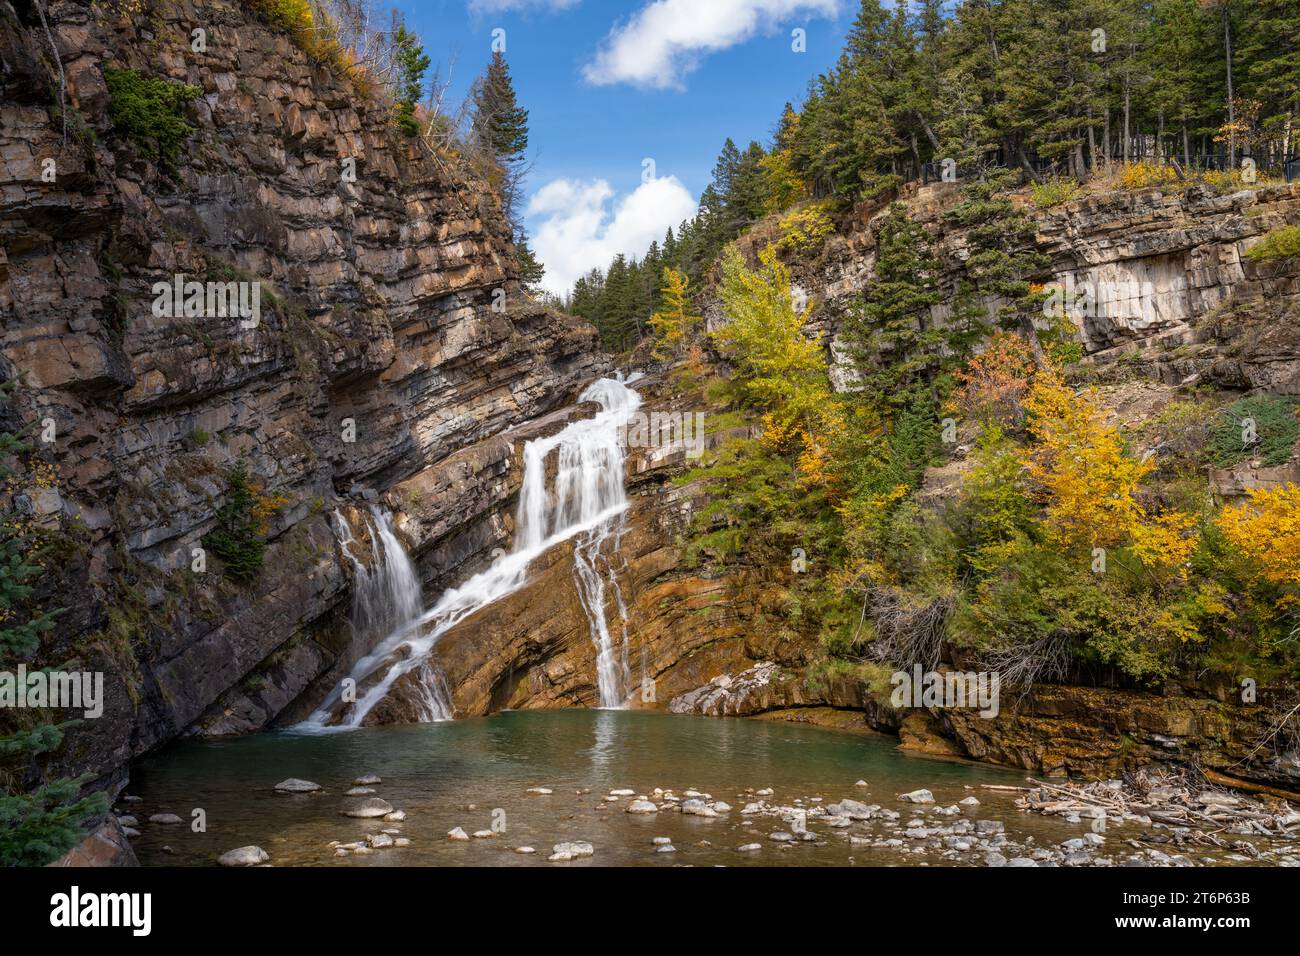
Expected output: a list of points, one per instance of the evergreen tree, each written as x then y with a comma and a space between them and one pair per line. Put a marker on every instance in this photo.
499, 131
1002, 256
891, 339
411, 63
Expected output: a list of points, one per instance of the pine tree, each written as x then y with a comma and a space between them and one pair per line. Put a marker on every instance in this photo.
499, 129
411, 63
891, 339
1002, 256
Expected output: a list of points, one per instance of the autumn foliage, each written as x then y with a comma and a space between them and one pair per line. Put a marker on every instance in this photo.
1089, 484
1266, 528
993, 385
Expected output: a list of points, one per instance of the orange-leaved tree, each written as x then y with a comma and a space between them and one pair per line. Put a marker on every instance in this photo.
1089, 484
1266, 528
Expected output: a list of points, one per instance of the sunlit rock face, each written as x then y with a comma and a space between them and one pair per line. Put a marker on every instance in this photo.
1140, 267
379, 269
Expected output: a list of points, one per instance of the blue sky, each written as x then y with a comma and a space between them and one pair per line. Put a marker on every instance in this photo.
609, 84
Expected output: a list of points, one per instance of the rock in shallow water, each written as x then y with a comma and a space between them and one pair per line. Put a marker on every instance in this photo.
457, 834
571, 851
370, 807
244, 856
917, 796
641, 806
165, 818
367, 780
294, 785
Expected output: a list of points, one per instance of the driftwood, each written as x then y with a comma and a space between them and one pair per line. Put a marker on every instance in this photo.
1187, 802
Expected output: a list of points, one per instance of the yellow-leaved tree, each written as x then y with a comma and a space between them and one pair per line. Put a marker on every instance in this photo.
672, 326
1266, 528
780, 368
1089, 484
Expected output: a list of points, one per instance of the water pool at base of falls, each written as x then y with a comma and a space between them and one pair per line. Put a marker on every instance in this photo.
474, 772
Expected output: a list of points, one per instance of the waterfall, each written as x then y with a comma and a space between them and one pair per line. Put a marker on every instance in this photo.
588, 501
386, 592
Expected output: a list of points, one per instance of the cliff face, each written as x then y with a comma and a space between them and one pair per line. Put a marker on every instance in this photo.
393, 333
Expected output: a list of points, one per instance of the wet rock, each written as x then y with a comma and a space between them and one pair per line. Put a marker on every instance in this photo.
294, 785
367, 780
917, 796
397, 816
367, 808
167, 819
666, 848
539, 791
359, 791
379, 841
525, 849
780, 836
457, 834
572, 850
484, 834
749, 847
641, 806
244, 856
696, 807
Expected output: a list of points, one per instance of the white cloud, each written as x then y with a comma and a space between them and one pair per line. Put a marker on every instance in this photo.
573, 230
665, 40
504, 6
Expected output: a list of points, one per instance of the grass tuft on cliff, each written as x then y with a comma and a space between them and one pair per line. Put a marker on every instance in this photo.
1280, 243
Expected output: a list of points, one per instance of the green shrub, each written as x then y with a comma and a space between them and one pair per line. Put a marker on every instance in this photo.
1054, 192
151, 112
1280, 243
1275, 430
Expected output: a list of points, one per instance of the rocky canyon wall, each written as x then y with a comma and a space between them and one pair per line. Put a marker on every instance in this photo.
383, 271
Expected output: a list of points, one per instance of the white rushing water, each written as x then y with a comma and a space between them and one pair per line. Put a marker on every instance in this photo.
386, 592
587, 501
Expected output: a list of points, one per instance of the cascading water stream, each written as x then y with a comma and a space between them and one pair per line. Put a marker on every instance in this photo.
386, 593
588, 501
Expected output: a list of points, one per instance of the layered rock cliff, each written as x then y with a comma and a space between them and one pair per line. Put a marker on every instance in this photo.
394, 344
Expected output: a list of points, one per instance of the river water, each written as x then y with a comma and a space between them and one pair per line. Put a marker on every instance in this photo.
474, 773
